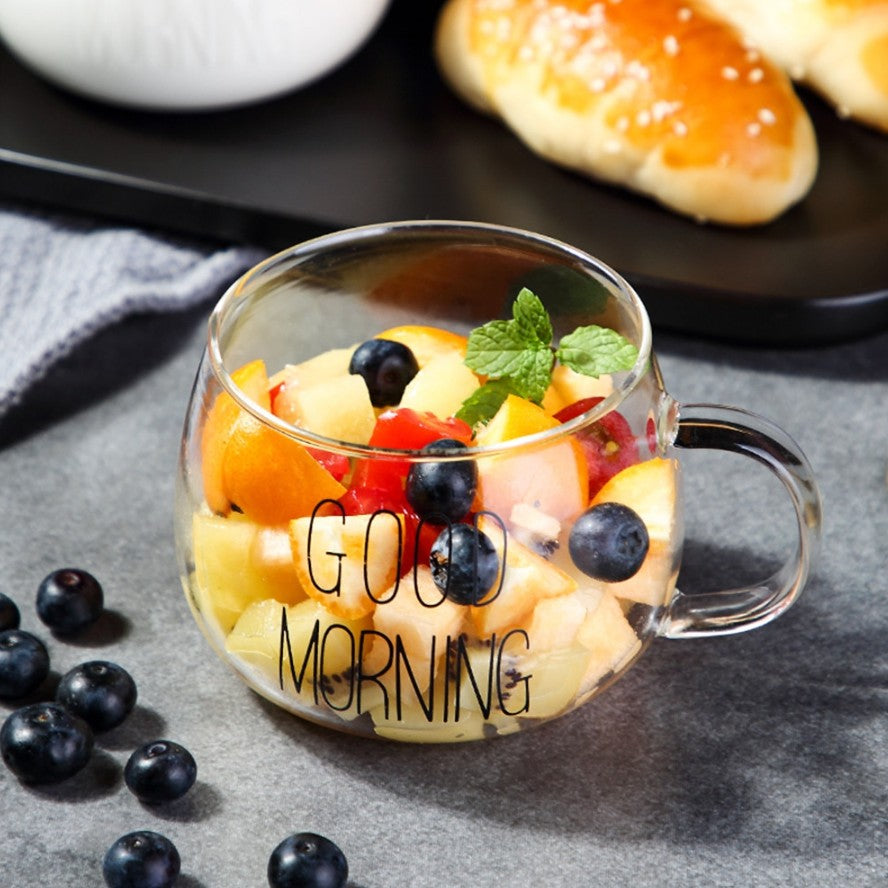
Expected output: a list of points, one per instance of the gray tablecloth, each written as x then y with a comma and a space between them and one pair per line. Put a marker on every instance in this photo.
755, 760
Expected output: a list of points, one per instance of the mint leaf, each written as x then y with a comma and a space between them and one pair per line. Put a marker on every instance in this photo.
496, 349
531, 318
517, 356
595, 350
534, 375
482, 404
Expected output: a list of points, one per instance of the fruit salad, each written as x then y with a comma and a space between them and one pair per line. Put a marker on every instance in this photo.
446, 582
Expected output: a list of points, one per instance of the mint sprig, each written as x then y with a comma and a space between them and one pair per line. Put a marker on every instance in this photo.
518, 357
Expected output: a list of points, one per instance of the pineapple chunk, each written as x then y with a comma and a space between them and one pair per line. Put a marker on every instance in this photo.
606, 633
316, 640
347, 562
555, 622
237, 562
412, 636
293, 377
540, 684
338, 407
441, 386
526, 579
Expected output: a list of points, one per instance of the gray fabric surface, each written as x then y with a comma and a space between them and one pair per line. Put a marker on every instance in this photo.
62, 280
755, 760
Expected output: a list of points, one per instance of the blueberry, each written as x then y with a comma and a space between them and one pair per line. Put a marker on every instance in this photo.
386, 367
609, 542
307, 860
24, 663
44, 743
464, 563
9, 613
141, 859
102, 694
442, 491
69, 600
160, 771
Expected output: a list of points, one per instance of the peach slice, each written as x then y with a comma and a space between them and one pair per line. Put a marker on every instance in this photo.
222, 417
271, 477
552, 478
650, 488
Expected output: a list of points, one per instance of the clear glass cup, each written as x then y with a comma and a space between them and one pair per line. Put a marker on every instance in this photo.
316, 577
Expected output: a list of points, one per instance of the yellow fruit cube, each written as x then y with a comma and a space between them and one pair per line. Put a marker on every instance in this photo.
347, 562
515, 418
412, 636
337, 408
441, 386
293, 377
526, 579
606, 633
312, 641
237, 562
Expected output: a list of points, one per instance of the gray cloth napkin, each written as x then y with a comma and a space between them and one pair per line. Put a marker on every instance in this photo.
64, 279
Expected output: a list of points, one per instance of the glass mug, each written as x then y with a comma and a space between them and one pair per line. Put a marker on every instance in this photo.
321, 576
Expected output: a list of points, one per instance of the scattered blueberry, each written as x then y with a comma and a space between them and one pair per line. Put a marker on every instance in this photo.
24, 664
307, 860
442, 491
44, 743
609, 542
464, 563
386, 367
160, 771
103, 694
141, 859
69, 600
9, 613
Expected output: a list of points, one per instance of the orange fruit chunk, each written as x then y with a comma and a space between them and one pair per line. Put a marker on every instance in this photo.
271, 477
252, 380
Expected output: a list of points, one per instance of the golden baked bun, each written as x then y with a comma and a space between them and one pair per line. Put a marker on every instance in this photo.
837, 47
657, 95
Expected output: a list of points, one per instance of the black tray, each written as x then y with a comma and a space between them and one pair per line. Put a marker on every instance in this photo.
383, 138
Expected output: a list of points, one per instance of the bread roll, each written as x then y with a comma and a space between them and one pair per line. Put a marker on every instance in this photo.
838, 47
656, 95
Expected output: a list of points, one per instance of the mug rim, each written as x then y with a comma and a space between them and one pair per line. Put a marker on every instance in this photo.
237, 290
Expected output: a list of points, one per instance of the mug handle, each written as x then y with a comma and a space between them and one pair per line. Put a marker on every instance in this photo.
717, 427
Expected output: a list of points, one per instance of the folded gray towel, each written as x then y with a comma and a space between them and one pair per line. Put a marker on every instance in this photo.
63, 279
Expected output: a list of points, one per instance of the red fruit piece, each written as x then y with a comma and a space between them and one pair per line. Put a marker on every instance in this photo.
402, 428
378, 483
608, 444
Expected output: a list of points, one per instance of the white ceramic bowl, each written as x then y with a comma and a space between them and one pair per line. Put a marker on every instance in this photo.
185, 54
